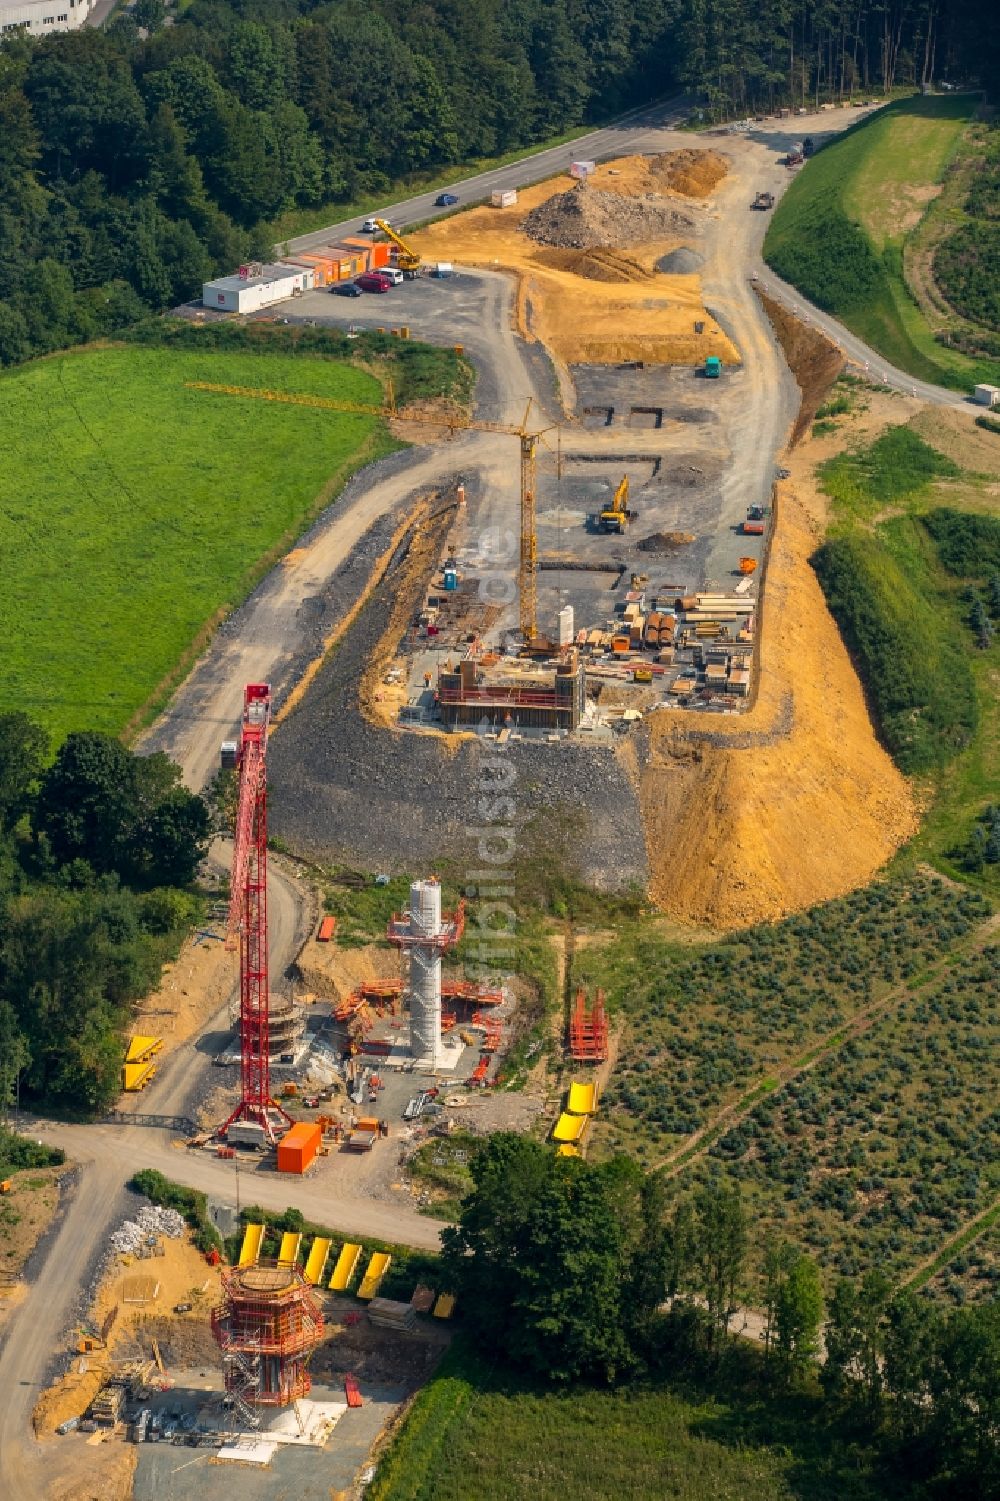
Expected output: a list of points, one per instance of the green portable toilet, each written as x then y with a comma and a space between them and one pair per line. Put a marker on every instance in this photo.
713, 367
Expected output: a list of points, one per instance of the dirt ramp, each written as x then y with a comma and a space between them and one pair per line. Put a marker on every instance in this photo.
595, 265
798, 804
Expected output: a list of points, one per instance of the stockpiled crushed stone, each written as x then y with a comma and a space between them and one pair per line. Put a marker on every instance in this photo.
682, 262
582, 218
132, 1235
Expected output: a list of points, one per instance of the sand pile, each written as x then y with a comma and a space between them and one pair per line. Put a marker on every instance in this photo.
584, 217
696, 174
803, 804
595, 264
681, 262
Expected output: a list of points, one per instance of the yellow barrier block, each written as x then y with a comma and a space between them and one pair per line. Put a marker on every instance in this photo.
569, 1127
318, 1257
347, 1265
445, 1306
288, 1252
375, 1271
582, 1099
250, 1249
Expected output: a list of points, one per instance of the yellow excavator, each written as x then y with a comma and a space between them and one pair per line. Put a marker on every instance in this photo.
617, 516
407, 259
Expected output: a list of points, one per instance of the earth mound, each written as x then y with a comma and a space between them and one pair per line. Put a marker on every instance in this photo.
583, 218
696, 174
664, 541
681, 262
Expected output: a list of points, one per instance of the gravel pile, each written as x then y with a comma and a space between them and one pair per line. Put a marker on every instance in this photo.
682, 262
151, 1220
584, 217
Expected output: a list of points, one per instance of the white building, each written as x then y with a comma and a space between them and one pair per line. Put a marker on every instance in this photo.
42, 16
261, 286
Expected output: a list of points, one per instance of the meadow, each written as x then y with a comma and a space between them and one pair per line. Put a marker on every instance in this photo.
840, 231
135, 511
477, 1431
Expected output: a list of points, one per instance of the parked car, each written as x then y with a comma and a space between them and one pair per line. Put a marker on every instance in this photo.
393, 273
373, 281
445, 200
370, 226
346, 289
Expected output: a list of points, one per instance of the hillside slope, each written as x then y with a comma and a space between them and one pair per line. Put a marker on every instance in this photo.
839, 233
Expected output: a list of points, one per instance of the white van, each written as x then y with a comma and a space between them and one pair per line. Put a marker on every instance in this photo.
392, 272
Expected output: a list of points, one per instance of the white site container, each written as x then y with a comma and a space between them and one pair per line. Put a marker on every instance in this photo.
987, 396
247, 294
582, 169
503, 197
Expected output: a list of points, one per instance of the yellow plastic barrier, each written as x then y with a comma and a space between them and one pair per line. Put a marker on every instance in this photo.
445, 1306
569, 1127
250, 1249
375, 1271
136, 1076
567, 1149
347, 1265
288, 1252
582, 1099
317, 1260
142, 1048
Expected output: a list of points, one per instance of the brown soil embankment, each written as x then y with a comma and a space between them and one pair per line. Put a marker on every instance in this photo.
813, 359
798, 804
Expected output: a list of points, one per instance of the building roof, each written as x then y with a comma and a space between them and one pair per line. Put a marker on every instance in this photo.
268, 274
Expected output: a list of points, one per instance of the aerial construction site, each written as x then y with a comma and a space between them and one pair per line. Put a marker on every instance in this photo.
574, 622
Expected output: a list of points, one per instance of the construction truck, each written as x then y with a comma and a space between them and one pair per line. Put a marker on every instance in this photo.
763, 201
617, 516
407, 258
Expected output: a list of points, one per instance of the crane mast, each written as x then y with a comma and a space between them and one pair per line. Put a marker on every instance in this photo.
248, 916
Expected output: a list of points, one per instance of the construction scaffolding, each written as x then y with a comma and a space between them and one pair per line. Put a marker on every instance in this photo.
588, 1029
535, 698
267, 1327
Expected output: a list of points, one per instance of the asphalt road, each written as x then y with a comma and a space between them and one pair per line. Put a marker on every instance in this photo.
856, 349
611, 140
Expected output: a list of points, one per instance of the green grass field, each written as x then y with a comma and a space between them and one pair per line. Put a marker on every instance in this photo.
475, 1432
839, 231
133, 510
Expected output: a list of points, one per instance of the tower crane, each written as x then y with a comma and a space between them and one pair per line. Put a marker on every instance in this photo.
528, 438
247, 918
407, 258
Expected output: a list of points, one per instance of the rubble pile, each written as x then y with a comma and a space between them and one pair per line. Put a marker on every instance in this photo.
584, 217
151, 1221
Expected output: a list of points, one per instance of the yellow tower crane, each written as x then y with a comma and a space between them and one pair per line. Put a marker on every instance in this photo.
407, 258
528, 439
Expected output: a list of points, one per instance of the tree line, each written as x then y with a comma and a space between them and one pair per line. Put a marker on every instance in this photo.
139, 160
97, 851
573, 1271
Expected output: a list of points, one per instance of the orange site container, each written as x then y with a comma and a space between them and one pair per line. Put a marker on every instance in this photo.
298, 1147
327, 928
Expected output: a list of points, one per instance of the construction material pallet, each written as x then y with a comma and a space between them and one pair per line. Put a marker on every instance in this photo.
588, 1029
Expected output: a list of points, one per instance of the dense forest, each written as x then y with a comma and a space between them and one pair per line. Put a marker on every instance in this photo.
97, 853
138, 160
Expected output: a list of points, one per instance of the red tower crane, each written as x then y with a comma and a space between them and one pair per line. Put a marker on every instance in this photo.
248, 916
